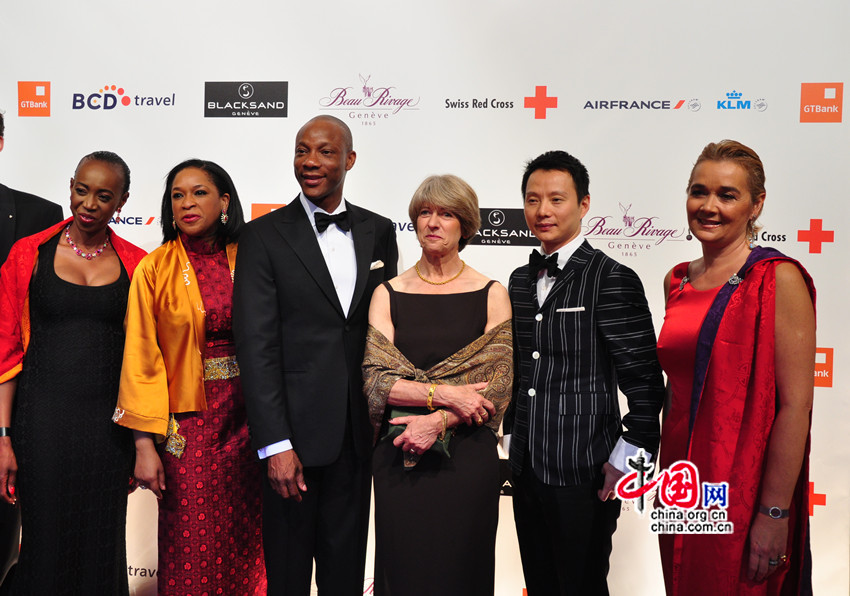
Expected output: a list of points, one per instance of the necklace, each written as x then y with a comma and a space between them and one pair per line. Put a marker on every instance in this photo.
86, 255
439, 283
733, 281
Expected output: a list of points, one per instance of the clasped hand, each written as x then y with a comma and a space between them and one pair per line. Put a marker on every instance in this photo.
420, 434
466, 401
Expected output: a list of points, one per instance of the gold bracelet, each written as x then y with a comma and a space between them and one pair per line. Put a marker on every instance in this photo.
430, 401
445, 424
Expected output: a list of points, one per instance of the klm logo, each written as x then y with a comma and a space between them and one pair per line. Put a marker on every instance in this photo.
733, 101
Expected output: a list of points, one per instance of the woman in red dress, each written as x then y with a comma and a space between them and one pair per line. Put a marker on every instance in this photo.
738, 347
180, 388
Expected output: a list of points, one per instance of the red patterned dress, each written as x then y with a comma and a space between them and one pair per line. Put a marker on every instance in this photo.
210, 532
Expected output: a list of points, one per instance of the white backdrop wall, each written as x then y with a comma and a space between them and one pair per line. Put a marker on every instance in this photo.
442, 53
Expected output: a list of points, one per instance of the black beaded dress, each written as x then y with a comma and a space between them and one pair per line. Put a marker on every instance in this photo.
74, 464
435, 526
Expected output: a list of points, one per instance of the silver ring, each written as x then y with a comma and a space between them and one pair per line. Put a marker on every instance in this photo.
143, 487
773, 562
413, 450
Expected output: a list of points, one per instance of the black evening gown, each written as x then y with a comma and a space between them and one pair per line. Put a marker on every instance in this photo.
74, 463
435, 526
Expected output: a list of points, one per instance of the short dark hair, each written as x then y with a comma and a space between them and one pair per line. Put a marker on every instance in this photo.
228, 232
110, 158
2, 125
561, 161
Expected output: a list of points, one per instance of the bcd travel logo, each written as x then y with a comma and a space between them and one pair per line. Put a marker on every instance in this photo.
33, 98
111, 96
254, 99
821, 102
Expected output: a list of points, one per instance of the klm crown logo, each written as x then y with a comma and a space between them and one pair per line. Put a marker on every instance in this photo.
733, 101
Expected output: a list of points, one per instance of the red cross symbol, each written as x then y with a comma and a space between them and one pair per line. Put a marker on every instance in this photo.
815, 498
815, 235
540, 102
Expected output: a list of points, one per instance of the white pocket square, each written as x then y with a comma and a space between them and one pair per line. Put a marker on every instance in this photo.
571, 309
376, 265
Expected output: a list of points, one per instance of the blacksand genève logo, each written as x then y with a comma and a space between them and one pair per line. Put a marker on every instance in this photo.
246, 99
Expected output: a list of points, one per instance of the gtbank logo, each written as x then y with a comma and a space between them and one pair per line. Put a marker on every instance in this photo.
823, 367
33, 98
821, 102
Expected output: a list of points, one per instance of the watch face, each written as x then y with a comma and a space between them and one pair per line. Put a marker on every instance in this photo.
775, 512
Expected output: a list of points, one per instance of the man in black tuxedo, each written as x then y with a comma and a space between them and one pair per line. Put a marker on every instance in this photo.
582, 327
304, 278
21, 214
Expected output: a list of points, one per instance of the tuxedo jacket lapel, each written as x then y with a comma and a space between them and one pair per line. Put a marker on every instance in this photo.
363, 230
7, 220
299, 235
575, 265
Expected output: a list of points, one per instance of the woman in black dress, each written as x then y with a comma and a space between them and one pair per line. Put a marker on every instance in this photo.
62, 304
438, 374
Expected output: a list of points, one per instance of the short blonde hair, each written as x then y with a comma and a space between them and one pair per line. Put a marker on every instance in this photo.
452, 194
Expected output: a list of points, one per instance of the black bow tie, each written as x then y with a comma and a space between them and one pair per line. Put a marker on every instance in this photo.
537, 263
323, 220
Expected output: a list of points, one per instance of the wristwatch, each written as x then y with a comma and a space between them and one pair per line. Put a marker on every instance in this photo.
774, 512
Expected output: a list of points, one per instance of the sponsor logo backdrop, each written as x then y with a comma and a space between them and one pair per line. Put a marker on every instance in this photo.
475, 88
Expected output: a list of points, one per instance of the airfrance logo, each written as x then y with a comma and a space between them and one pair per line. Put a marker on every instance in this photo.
735, 101
254, 99
692, 105
111, 96
33, 98
821, 102
125, 220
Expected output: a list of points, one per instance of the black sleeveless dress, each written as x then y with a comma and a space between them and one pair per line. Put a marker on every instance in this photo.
74, 463
435, 526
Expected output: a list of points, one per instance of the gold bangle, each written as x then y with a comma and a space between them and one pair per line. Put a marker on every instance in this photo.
430, 400
445, 424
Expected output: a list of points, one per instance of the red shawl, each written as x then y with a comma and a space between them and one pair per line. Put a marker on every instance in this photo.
15, 278
734, 405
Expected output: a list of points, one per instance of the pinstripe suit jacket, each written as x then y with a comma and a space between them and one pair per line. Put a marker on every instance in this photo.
593, 332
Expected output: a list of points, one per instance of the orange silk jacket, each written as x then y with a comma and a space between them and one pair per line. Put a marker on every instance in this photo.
163, 370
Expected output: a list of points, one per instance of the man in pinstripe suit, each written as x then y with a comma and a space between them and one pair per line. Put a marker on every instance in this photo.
582, 328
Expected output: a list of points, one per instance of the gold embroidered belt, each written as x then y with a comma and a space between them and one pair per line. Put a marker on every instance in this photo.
218, 369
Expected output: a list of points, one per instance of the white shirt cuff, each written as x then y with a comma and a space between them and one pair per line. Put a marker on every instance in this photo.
624, 450
275, 448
